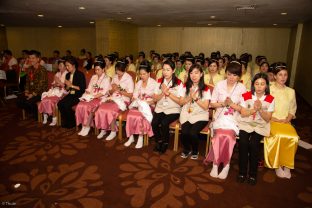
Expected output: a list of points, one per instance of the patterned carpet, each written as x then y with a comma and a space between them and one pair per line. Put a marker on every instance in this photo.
48, 167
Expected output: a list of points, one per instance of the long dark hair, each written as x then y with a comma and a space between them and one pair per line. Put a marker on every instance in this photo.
263, 76
201, 84
174, 80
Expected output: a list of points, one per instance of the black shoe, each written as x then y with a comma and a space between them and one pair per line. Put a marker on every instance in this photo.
185, 154
163, 148
157, 147
241, 178
252, 181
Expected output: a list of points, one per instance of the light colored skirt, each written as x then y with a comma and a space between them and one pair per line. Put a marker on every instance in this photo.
221, 150
281, 146
84, 112
48, 104
137, 124
105, 115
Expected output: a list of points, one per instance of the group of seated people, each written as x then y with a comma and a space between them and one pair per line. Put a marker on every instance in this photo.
246, 108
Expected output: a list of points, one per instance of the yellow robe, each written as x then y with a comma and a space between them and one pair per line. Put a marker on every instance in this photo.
217, 78
246, 80
111, 71
183, 76
281, 146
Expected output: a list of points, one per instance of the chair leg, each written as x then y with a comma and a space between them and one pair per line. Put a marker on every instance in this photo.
39, 117
96, 131
145, 140
5, 92
59, 119
120, 129
207, 144
23, 114
176, 138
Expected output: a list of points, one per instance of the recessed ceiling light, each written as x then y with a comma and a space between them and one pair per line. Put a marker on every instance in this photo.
274, 24
2, 25
129, 18
81, 8
209, 24
40, 15
91, 22
60, 26
158, 25
284, 13
212, 17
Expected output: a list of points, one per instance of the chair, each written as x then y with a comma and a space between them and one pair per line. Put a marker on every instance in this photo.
14, 83
133, 75
2, 84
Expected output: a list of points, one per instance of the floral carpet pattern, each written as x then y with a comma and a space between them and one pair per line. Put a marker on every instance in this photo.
51, 167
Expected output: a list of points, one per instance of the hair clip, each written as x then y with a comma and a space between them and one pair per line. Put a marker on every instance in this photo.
236, 62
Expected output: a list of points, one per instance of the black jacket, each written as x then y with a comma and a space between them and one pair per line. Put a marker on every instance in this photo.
78, 80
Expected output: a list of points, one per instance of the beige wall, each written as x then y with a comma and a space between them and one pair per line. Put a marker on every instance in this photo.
272, 42
303, 84
47, 39
291, 48
116, 36
3, 39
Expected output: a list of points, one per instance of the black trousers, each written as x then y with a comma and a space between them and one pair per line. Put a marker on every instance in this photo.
67, 114
22, 83
162, 134
11, 76
29, 105
190, 135
249, 147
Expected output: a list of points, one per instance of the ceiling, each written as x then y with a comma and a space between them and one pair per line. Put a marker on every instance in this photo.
164, 13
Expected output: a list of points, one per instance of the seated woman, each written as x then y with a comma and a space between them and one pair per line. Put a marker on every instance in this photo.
130, 65
121, 92
167, 108
281, 146
75, 83
254, 124
189, 61
49, 99
225, 99
98, 87
139, 117
194, 114
213, 77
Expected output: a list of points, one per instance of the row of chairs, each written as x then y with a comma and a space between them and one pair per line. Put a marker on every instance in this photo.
174, 126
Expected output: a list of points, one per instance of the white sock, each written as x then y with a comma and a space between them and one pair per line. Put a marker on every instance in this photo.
280, 172
224, 173
101, 134
130, 141
111, 136
287, 173
214, 171
45, 118
139, 142
82, 129
85, 131
54, 121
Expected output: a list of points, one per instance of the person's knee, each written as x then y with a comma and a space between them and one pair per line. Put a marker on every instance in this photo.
193, 134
